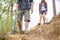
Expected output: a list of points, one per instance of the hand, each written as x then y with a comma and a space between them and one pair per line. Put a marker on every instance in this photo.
31, 10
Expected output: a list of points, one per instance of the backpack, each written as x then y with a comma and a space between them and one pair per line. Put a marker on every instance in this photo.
25, 5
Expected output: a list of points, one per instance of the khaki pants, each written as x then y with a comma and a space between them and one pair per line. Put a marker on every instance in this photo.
25, 13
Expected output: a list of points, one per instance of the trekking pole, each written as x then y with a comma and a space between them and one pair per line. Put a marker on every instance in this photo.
14, 21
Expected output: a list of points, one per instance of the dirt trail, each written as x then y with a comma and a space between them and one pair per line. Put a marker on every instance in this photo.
46, 32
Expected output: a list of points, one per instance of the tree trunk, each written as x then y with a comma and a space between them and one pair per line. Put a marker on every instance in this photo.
54, 8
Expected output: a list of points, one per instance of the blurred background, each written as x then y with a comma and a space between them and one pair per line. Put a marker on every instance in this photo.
8, 16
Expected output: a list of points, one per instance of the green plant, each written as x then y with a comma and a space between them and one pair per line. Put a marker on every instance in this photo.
6, 23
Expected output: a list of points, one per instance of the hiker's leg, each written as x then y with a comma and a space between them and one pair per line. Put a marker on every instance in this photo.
27, 19
20, 25
26, 25
44, 17
41, 17
19, 19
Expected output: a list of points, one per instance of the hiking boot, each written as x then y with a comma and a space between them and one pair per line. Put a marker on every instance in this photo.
39, 24
21, 32
26, 31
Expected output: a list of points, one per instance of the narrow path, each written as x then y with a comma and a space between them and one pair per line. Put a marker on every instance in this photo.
46, 32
